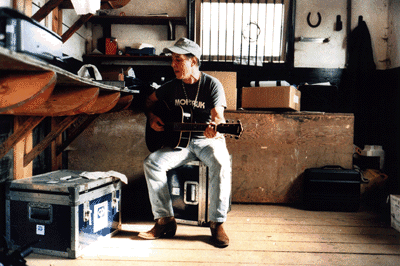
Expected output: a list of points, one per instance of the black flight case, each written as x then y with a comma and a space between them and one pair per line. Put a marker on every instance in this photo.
331, 188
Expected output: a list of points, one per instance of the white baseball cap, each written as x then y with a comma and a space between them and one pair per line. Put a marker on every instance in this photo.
185, 46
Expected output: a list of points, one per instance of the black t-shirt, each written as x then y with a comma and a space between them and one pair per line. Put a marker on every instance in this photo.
210, 94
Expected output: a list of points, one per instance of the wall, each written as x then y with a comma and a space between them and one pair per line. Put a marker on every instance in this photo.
156, 35
333, 53
320, 55
76, 45
394, 34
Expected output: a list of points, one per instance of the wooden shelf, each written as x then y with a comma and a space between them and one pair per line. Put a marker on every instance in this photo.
170, 22
28, 83
139, 20
94, 58
14, 62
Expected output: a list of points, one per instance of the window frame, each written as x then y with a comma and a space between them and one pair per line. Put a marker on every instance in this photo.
194, 32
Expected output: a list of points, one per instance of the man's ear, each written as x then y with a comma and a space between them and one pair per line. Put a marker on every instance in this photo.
194, 61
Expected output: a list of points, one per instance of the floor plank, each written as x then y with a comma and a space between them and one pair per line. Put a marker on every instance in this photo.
259, 235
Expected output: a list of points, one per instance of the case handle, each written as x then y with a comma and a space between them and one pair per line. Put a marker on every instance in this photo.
191, 195
332, 167
40, 213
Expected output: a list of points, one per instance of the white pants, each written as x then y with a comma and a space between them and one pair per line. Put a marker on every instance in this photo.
213, 153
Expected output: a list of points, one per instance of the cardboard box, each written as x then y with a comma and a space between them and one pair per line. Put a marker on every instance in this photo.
228, 80
285, 97
395, 211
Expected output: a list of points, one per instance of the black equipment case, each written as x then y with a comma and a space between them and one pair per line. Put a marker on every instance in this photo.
189, 191
188, 187
63, 211
331, 188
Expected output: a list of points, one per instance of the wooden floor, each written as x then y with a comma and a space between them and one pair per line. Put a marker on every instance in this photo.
259, 235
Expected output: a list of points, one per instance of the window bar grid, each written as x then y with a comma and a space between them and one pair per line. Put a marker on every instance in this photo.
209, 48
258, 12
234, 25
273, 33
226, 30
241, 46
281, 33
219, 27
237, 18
250, 27
265, 58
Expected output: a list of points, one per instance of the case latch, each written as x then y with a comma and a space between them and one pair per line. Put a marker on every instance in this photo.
87, 213
115, 202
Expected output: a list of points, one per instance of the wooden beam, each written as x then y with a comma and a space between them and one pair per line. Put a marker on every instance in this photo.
57, 21
48, 139
46, 9
84, 122
56, 160
82, 20
21, 132
22, 147
24, 6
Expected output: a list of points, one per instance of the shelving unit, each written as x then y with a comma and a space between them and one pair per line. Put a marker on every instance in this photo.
32, 89
98, 59
170, 22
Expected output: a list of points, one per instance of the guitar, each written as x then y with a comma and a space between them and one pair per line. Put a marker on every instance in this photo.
178, 127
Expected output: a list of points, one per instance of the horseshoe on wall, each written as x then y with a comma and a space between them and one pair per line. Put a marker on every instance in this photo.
309, 22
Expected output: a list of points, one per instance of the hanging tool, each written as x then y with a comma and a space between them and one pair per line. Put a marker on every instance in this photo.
339, 24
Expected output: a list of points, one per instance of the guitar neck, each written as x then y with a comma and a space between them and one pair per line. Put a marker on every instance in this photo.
189, 127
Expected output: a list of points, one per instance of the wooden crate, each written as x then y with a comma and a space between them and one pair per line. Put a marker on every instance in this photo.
275, 149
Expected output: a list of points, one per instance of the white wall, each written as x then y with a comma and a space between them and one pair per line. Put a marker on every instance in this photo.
394, 33
156, 35
333, 53
324, 55
76, 45
6, 3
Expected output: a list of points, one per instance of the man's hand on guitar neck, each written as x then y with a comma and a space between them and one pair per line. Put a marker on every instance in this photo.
217, 117
211, 131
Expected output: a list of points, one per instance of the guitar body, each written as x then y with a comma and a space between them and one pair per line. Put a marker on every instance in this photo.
168, 138
178, 125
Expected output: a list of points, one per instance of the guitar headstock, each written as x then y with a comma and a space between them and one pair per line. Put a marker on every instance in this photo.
233, 129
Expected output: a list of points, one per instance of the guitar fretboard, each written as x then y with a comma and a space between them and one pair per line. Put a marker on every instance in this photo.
192, 127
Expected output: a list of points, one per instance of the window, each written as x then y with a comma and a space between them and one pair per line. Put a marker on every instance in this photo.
248, 32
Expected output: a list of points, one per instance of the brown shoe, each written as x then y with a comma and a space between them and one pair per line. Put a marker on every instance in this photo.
218, 236
164, 227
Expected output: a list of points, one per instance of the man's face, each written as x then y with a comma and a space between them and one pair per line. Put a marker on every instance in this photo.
182, 65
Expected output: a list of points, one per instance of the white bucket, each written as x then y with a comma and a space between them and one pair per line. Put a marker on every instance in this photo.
376, 151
